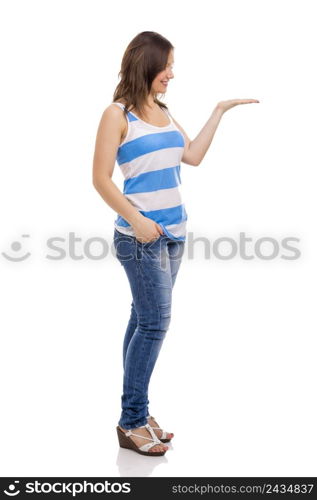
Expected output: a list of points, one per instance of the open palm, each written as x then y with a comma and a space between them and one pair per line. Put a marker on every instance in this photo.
225, 105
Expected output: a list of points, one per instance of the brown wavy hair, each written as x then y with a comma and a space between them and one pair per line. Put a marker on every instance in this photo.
145, 56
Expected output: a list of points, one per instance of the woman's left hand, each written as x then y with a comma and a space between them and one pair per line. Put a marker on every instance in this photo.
225, 105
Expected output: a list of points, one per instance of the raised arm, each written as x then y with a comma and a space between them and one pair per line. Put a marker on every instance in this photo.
195, 150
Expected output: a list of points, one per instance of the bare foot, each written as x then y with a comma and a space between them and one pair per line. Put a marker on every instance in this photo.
139, 441
158, 432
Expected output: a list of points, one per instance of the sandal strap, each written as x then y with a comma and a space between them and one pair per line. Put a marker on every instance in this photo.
154, 436
149, 428
147, 446
164, 433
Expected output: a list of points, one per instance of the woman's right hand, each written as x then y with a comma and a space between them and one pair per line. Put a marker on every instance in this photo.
146, 230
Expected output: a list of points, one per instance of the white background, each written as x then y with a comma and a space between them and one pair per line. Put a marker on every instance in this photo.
236, 377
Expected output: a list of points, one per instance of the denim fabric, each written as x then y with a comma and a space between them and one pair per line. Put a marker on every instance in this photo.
151, 269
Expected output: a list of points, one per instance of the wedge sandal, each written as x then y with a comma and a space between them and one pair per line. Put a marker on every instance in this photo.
126, 442
163, 437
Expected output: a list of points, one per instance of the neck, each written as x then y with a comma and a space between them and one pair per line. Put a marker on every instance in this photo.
150, 101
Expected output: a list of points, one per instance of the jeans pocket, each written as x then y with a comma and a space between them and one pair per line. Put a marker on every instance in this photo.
147, 244
124, 247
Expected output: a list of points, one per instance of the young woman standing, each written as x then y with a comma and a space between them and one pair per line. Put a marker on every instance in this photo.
138, 131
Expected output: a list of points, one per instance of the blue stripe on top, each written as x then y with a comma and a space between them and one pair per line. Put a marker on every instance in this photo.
148, 143
151, 181
166, 216
131, 117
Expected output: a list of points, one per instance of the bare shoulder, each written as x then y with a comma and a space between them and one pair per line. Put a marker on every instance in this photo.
113, 111
113, 117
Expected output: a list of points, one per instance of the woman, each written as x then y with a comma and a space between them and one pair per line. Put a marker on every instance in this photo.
138, 131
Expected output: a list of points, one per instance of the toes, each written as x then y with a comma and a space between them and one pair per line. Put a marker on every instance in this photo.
159, 447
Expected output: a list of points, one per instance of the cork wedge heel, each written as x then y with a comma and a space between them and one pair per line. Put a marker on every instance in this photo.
125, 441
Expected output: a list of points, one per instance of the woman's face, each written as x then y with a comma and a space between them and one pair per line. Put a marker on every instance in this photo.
160, 82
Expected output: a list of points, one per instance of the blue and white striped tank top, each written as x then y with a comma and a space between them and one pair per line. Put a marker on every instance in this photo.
150, 160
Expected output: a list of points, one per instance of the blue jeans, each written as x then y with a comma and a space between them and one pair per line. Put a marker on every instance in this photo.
151, 269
